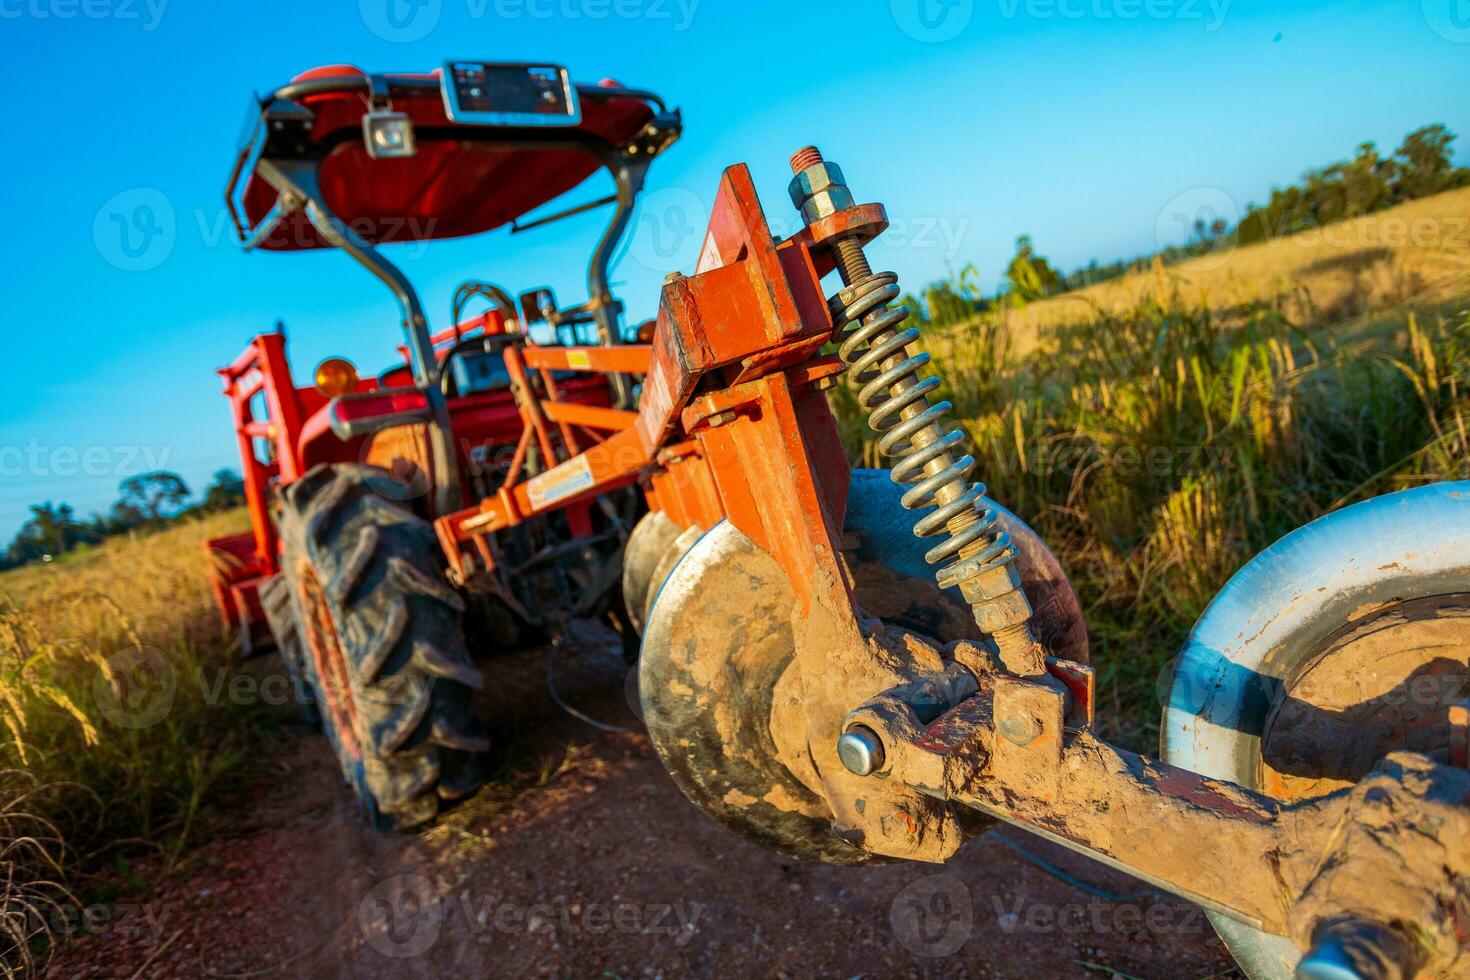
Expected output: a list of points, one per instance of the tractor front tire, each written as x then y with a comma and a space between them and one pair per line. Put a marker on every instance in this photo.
383, 644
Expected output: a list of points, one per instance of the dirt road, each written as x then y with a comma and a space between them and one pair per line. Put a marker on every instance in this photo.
583, 860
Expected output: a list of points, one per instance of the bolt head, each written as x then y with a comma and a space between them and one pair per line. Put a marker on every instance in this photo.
860, 750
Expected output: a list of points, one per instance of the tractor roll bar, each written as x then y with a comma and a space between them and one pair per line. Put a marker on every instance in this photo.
627, 164
279, 148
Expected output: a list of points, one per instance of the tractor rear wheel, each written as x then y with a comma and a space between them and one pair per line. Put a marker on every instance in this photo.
382, 642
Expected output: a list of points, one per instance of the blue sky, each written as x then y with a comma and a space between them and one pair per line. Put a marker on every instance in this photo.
1077, 121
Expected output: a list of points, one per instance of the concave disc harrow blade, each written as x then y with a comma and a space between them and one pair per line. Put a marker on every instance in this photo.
721, 706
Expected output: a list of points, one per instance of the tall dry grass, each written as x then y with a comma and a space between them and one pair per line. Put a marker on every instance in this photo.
1159, 447
1346, 269
121, 733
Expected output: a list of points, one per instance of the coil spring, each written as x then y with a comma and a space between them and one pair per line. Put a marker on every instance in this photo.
895, 394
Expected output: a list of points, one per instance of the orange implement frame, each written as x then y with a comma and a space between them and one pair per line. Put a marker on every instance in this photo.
732, 421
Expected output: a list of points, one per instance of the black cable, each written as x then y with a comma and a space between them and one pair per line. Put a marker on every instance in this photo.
580, 716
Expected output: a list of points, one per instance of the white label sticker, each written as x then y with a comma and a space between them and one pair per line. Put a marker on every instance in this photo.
559, 483
709, 256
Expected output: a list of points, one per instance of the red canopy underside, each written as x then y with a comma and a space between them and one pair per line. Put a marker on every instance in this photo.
448, 189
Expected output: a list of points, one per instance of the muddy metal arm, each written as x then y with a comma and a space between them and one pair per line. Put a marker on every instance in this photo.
1375, 871
1369, 879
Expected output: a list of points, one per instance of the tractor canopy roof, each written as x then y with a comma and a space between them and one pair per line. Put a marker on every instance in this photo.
464, 176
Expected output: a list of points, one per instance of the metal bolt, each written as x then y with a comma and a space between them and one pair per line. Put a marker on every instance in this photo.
861, 750
807, 156
672, 278
721, 418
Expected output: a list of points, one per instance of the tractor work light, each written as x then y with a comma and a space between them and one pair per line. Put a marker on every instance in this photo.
336, 376
388, 135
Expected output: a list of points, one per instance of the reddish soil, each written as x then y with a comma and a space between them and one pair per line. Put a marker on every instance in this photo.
583, 860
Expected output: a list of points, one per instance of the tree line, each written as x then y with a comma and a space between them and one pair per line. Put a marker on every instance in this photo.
1421, 166
145, 502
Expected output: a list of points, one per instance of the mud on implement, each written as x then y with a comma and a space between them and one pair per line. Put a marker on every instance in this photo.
844, 665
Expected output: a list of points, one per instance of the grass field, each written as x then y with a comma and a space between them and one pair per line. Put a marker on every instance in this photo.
1161, 429
1158, 430
1417, 250
122, 728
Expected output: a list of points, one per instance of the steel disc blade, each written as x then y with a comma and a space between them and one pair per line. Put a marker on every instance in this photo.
718, 644
646, 544
715, 649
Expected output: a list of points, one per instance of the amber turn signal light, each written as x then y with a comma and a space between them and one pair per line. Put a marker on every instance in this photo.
336, 376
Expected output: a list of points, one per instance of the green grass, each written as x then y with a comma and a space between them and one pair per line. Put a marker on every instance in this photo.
1159, 448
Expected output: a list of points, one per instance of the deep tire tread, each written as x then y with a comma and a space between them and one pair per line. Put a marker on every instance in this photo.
401, 634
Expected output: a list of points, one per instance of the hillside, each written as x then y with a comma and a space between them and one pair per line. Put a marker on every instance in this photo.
1417, 250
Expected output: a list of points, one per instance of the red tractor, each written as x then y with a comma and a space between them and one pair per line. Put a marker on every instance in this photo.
812, 672
342, 567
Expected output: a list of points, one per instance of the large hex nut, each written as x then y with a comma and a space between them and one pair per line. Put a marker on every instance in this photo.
1001, 612
820, 191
